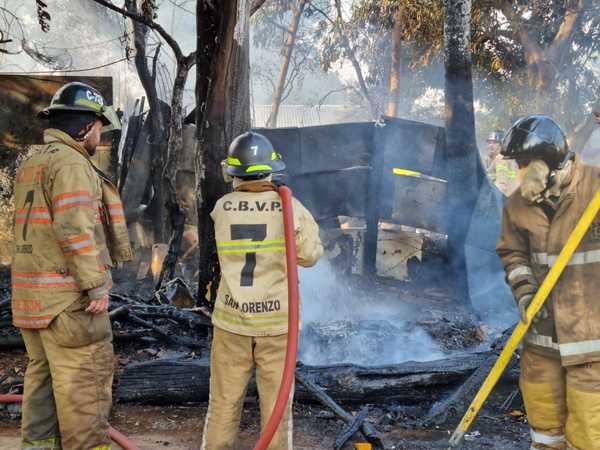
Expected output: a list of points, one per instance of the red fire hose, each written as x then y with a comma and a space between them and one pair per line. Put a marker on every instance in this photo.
116, 436
292, 341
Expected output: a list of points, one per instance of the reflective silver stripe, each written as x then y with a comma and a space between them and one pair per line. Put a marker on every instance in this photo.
28, 321
519, 271
43, 279
546, 439
541, 340
578, 348
77, 245
540, 258
579, 258
70, 200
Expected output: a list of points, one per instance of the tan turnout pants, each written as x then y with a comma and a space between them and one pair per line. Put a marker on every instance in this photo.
68, 383
232, 360
562, 403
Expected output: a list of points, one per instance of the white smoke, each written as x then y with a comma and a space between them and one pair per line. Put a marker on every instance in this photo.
344, 324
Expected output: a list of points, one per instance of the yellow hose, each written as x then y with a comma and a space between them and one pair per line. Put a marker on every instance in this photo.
538, 301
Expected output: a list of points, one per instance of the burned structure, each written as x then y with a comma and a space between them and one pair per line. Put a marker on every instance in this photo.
379, 193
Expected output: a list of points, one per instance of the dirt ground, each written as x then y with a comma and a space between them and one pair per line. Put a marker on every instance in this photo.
180, 428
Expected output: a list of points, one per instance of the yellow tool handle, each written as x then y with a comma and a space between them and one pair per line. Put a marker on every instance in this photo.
406, 172
413, 173
536, 304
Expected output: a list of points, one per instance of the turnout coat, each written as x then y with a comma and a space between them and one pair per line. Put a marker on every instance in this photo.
529, 245
69, 228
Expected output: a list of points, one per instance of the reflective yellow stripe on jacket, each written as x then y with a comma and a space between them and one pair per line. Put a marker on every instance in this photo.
251, 247
252, 299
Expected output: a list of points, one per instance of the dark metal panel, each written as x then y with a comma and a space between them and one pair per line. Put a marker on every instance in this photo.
420, 203
331, 194
417, 147
335, 147
327, 166
412, 145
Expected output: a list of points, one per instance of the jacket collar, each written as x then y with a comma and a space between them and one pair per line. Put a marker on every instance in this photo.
241, 185
53, 135
573, 186
571, 189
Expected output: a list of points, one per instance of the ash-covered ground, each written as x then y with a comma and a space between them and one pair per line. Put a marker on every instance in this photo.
353, 321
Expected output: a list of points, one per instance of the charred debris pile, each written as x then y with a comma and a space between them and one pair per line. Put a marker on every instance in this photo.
163, 341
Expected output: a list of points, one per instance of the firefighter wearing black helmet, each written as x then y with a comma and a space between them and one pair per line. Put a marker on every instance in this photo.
560, 362
69, 229
250, 313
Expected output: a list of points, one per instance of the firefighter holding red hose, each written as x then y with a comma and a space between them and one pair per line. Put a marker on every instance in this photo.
250, 316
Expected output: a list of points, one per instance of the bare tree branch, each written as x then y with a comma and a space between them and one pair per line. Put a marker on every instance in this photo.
183, 8
339, 26
255, 6
334, 91
149, 23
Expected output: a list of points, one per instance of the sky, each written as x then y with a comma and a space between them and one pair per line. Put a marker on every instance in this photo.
85, 35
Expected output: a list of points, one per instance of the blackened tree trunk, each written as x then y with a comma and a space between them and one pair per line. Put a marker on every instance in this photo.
172, 166
461, 147
158, 131
290, 43
223, 112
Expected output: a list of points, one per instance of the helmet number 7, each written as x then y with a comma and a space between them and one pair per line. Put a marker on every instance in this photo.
256, 233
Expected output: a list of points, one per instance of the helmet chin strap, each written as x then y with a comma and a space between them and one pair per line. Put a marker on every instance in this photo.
551, 181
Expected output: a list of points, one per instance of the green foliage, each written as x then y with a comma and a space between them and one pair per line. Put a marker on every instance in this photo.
507, 37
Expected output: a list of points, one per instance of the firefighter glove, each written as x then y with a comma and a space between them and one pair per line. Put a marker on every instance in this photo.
524, 303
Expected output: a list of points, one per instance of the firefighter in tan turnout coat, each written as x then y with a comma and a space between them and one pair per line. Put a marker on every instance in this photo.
560, 362
69, 228
250, 316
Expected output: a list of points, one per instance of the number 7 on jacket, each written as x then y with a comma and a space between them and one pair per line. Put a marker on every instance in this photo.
256, 233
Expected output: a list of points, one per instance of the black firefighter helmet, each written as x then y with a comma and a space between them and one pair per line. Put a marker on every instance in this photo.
251, 155
537, 137
79, 97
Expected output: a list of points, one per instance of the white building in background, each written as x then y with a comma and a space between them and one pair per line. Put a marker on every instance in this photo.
307, 116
